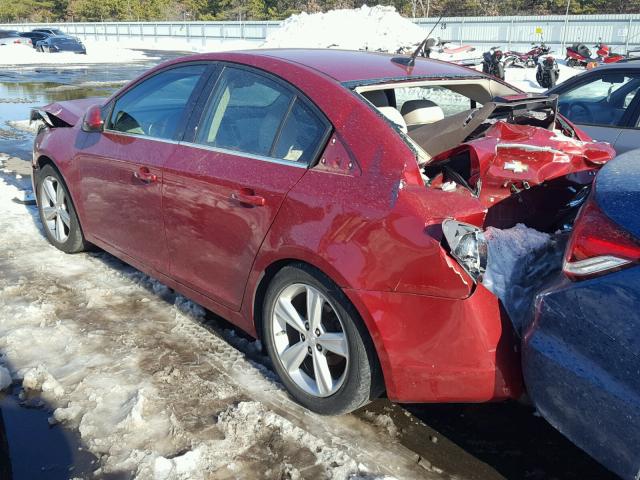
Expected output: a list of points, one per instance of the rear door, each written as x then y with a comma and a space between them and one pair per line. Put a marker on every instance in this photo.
224, 184
121, 167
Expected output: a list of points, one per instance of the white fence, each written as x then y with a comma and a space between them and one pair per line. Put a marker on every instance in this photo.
622, 31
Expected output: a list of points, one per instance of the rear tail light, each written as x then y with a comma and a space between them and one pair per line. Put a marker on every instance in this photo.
467, 245
598, 245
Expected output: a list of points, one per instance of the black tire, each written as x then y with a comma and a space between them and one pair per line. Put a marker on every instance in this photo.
362, 379
553, 78
572, 62
74, 241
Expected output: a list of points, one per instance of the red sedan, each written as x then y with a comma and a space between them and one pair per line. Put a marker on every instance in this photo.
329, 202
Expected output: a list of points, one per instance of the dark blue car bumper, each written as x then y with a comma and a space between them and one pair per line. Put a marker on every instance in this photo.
581, 364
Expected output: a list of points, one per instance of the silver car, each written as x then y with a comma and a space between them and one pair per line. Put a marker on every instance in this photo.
9, 37
605, 102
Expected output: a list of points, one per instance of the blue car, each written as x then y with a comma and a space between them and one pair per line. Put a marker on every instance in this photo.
581, 352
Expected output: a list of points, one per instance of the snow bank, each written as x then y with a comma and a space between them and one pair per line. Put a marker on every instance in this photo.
378, 28
520, 262
97, 52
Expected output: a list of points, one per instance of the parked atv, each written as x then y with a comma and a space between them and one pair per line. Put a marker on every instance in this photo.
492, 63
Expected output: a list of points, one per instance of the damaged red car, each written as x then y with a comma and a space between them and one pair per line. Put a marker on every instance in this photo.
331, 203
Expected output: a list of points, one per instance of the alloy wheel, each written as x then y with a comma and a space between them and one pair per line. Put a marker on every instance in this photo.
310, 340
55, 211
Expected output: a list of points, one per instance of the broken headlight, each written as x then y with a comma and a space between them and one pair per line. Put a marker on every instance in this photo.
467, 245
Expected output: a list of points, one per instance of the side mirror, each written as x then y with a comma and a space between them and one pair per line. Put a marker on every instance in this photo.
93, 121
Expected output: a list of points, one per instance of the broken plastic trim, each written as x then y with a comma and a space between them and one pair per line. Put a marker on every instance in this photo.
467, 245
50, 120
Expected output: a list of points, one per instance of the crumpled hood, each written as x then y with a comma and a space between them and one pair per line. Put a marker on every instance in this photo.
69, 111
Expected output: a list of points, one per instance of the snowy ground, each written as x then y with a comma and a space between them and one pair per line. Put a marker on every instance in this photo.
153, 392
97, 52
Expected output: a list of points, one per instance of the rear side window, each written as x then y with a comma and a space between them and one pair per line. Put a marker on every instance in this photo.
244, 113
301, 134
252, 113
155, 107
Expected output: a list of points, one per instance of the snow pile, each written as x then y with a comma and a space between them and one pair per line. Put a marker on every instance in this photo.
153, 393
378, 28
520, 262
97, 52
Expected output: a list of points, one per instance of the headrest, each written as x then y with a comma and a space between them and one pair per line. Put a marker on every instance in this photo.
377, 97
395, 116
420, 112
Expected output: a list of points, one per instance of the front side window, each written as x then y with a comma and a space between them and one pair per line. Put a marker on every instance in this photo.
155, 107
602, 101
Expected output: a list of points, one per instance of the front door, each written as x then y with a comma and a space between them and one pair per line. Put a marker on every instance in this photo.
121, 168
223, 188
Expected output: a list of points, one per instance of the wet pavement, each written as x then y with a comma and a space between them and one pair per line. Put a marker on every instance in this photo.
491, 441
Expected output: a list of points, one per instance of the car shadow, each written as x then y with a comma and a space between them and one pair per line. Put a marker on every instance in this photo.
511, 438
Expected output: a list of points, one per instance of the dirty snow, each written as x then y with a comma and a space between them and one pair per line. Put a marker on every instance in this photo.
148, 381
520, 262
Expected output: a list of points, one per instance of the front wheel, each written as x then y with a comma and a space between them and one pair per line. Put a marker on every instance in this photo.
317, 344
499, 70
57, 212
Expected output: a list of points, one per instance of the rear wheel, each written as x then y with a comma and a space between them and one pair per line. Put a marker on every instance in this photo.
57, 212
317, 344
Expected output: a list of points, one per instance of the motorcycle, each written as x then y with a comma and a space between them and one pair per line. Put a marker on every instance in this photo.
492, 62
605, 54
548, 72
525, 60
578, 55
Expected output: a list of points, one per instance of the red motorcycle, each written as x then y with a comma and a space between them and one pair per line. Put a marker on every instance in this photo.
526, 60
606, 55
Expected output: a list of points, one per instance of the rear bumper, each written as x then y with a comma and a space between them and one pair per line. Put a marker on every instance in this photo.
442, 350
580, 366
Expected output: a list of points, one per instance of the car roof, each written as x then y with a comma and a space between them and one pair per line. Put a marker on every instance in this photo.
359, 66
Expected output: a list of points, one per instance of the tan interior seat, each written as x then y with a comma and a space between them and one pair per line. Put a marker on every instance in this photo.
395, 116
421, 112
